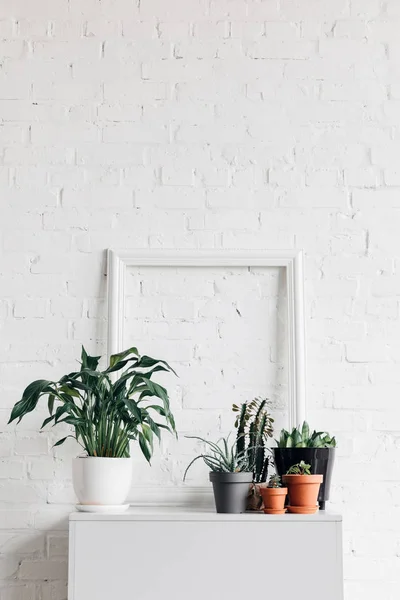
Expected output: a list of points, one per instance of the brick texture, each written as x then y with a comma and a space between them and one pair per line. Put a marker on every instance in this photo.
242, 124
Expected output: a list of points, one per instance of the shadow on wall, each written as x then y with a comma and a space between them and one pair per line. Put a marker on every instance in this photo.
34, 554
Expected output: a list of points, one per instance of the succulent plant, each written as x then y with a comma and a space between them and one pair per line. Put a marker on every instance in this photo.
274, 481
301, 438
222, 457
254, 428
300, 468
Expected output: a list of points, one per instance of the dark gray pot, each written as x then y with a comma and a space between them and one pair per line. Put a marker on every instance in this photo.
230, 491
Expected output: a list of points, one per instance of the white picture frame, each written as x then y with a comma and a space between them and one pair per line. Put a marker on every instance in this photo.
291, 260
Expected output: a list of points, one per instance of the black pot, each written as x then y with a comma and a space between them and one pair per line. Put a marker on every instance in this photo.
320, 459
230, 491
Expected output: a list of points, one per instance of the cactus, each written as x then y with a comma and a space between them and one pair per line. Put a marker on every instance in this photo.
254, 426
274, 481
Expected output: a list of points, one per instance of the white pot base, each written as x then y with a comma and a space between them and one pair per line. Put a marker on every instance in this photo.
101, 481
102, 508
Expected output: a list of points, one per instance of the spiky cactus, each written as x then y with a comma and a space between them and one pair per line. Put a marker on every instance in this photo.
254, 426
274, 481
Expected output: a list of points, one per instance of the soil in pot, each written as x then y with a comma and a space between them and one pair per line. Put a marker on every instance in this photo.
274, 500
320, 459
303, 490
231, 491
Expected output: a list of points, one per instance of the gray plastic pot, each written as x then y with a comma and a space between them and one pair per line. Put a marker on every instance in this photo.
230, 491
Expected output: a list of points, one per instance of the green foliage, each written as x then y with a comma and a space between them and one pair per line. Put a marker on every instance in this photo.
222, 457
274, 481
300, 469
105, 414
301, 438
254, 427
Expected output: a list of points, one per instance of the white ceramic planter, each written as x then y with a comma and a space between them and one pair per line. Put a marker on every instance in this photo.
102, 481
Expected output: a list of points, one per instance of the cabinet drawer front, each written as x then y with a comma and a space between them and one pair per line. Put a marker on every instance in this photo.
172, 560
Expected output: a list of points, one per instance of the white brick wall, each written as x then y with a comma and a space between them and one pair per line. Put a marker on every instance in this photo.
190, 124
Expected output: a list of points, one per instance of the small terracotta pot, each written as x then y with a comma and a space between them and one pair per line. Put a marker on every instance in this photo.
274, 500
303, 489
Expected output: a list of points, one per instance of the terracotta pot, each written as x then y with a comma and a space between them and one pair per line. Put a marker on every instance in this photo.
320, 459
274, 500
303, 489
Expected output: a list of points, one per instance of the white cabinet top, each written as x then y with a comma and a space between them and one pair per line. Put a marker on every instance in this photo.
167, 513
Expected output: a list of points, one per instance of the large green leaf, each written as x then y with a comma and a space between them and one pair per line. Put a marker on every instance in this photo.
154, 427
61, 410
144, 447
134, 409
148, 434
120, 386
50, 404
171, 420
156, 369
47, 421
72, 421
118, 366
30, 398
146, 362
159, 409
157, 390
89, 362
79, 385
62, 440
116, 358
70, 391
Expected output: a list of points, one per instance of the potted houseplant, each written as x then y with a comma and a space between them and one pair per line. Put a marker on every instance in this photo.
254, 426
231, 474
273, 496
303, 488
106, 413
316, 449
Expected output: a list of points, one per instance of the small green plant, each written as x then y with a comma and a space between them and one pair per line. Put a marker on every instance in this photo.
274, 481
300, 469
106, 414
301, 438
222, 457
254, 426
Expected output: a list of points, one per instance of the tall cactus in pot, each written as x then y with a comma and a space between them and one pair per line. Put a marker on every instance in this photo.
254, 426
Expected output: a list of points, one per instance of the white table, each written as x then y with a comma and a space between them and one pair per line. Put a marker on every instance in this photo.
176, 554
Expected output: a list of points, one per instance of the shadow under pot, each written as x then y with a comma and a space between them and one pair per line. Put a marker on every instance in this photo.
320, 459
231, 491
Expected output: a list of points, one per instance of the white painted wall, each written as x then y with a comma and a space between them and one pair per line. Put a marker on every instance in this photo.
202, 124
